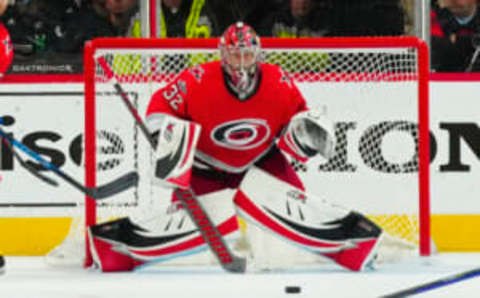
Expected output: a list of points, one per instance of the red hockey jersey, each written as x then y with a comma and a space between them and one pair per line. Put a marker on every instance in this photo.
6, 50
235, 133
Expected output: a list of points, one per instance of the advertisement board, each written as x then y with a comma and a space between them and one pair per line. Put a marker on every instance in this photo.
49, 118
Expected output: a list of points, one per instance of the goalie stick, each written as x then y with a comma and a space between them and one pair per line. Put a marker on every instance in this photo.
229, 261
7, 120
118, 185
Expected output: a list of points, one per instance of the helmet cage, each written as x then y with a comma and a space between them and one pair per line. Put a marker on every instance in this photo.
240, 55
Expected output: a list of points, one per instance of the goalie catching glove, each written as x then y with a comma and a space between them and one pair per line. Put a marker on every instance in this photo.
308, 133
176, 143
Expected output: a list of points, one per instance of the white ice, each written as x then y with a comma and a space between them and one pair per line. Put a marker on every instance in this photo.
30, 277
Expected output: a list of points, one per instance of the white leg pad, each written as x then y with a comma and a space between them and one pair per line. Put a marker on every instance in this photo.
285, 210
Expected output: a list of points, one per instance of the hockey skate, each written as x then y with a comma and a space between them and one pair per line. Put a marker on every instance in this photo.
2, 264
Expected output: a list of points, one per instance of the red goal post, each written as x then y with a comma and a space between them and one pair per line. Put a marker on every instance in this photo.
333, 66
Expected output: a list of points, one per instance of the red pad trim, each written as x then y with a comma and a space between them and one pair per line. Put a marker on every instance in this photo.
225, 228
242, 201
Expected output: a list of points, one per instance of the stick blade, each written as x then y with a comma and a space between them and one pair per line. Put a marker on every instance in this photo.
114, 187
37, 174
237, 265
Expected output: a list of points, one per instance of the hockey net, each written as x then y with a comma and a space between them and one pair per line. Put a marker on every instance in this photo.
375, 89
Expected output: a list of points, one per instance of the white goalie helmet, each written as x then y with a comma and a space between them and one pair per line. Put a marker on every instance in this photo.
240, 54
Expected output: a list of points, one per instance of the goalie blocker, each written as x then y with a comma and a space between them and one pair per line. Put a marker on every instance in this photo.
176, 142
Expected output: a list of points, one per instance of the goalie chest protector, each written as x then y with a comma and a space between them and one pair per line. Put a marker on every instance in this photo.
235, 133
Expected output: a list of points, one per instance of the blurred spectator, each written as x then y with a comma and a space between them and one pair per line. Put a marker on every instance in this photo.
454, 28
298, 18
186, 18
325, 17
32, 23
368, 17
120, 13
6, 48
101, 18
252, 12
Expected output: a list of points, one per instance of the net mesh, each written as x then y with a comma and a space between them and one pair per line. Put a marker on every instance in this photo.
304, 66
357, 86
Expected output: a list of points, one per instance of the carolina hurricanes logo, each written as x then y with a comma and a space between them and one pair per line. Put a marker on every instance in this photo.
241, 134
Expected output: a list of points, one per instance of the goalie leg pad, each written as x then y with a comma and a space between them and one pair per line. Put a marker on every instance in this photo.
307, 221
366, 235
281, 208
121, 245
103, 240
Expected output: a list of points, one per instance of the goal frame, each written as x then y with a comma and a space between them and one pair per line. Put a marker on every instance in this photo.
269, 43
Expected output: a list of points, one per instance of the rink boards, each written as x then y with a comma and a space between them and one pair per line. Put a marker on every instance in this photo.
41, 212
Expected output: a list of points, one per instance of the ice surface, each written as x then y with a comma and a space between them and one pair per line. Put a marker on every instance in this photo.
30, 277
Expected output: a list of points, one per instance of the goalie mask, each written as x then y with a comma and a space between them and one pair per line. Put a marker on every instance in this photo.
240, 51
